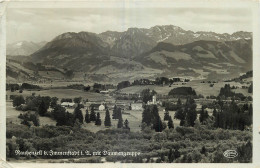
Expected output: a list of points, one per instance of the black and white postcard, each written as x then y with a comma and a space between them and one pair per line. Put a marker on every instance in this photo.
122, 82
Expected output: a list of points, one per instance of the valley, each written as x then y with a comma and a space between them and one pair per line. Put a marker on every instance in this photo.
174, 95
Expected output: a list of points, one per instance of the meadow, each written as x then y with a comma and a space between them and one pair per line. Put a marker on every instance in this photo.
134, 118
200, 88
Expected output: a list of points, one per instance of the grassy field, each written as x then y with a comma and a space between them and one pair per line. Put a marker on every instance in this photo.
134, 118
63, 93
200, 88
12, 116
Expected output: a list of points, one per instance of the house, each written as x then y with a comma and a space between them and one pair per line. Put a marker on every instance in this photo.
101, 107
95, 106
154, 101
137, 106
68, 104
104, 91
198, 107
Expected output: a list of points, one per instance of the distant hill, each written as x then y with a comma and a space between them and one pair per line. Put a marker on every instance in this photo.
201, 58
23, 48
138, 52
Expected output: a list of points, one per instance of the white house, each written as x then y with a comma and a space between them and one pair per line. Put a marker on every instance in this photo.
101, 107
68, 104
137, 106
104, 91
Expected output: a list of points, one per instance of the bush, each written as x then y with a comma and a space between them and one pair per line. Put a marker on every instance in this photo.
18, 100
29, 86
186, 91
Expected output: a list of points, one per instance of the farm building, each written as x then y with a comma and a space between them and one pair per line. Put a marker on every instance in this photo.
97, 106
68, 104
137, 106
101, 107
198, 107
104, 91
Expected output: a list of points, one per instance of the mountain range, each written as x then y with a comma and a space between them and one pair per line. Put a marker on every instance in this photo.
23, 48
139, 52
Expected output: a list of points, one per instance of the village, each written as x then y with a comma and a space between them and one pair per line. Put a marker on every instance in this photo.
128, 99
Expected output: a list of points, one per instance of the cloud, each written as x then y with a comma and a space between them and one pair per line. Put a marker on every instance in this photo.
43, 24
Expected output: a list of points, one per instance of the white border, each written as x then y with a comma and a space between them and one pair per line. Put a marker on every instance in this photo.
252, 4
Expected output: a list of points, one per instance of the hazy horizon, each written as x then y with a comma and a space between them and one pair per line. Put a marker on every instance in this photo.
44, 24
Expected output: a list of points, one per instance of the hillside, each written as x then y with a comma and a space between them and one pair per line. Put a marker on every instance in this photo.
23, 48
201, 58
138, 52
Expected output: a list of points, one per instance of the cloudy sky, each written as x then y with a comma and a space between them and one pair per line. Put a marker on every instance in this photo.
43, 24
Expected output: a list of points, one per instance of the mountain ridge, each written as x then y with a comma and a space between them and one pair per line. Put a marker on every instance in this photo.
159, 50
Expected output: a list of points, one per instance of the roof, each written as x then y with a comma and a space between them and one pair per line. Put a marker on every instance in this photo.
67, 104
104, 91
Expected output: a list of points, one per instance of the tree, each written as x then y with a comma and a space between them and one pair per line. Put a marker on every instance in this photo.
98, 120
47, 100
146, 115
191, 114
26, 122
59, 115
126, 124
42, 109
184, 158
182, 122
203, 115
177, 154
166, 115
147, 95
35, 119
203, 150
179, 104
170, 123
53, 102
214, 112
170, 156
92, 114
114, 115
107, 121
185, 91
18, 100
157, 124
180, 114
30, 118
87, 119
118, 113
77, 124
123, 84
154, 111
245, 152
120, 120
78, 114
189, 159
69, 119
217, 120
77, 99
